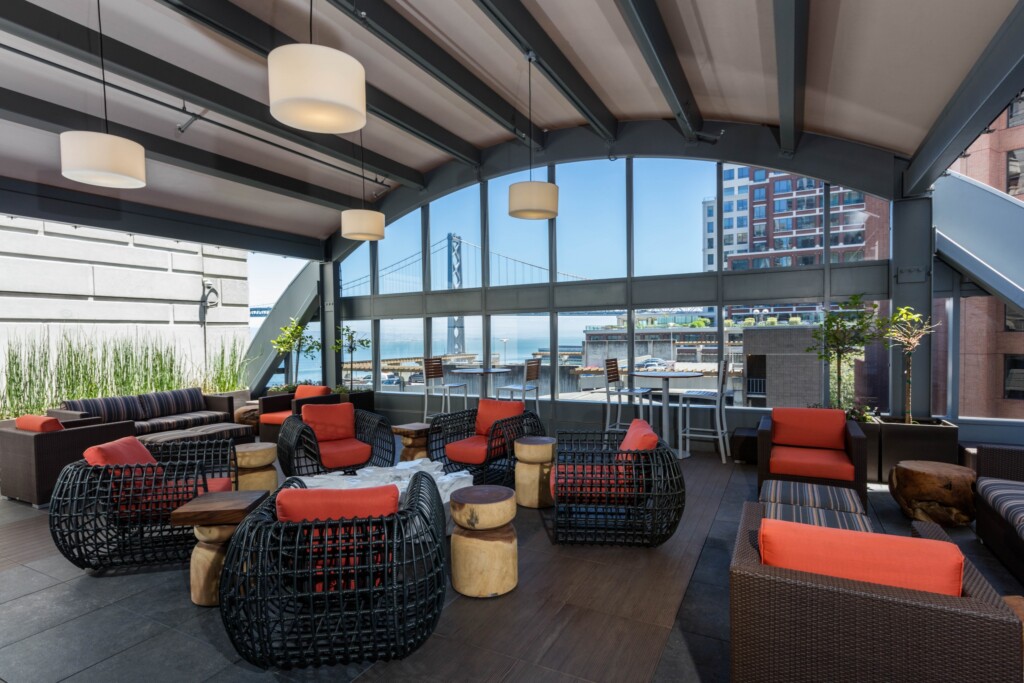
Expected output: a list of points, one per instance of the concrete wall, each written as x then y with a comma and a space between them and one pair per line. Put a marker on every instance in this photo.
106, 283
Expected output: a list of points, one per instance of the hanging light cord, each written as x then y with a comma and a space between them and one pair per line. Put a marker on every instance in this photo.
103, 69
310, 22
362, 169
529, 106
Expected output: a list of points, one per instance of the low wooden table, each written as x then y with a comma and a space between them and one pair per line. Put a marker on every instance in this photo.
248, 415
534, 457
256, 471
215, 517
934, 491
485, 550
414, 440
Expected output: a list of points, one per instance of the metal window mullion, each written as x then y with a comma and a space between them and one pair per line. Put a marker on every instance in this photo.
425, 247
485, 240
552, 278
953, 356
720, 264
826, 231
375, 363
630, 348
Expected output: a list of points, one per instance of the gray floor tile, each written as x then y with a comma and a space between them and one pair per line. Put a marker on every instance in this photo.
243, 672
15, 511
209, 628
713, 566
705, 610
167, 601
168, 657
693, 657
56, 566
80, 642
18, 581
36, 612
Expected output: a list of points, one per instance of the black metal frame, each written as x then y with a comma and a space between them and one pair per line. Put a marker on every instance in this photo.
499, 466
298, 451
295, 594
119, 515
604, 495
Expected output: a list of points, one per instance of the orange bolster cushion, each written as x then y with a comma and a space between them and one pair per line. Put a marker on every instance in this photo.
307, 505
331, 421
309, 390
809, 427
490, 411
38, 423
916, 563
639, 437
124, 451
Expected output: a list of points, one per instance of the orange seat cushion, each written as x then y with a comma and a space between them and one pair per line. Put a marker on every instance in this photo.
471, 451
900, 561
597, 484
217, 484
639, 437
38, 423
820, 463
275, 418
331, 422
307, 505
124, 451
490, 411
341, 453
809, 427
308, 390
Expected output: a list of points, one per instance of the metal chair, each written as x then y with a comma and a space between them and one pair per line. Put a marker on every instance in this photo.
708, 399
532, 374
611, 370
433, 368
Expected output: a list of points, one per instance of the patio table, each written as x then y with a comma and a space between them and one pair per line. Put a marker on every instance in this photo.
667, 376
485, 374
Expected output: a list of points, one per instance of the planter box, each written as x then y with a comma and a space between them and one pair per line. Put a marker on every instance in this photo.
935, 440
240, 397
872, 431
362, 400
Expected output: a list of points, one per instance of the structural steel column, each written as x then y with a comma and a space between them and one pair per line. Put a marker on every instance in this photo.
911, 273
330, 287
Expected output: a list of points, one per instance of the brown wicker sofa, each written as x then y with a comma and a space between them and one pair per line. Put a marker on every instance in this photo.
30, 462
159, 411
796, 626
1000, 503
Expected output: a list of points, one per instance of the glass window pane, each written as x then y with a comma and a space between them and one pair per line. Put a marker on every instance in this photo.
459, 340
860, 226
519, 248
991, 360
355, 272
676, 339
591, 223
357, 363
585, 340
1013, 163
401, 355
671, 200
516, 339
455, 240
399, 260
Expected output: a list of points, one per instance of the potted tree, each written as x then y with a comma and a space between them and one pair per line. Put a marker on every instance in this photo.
348, 340
294, 340
906, 437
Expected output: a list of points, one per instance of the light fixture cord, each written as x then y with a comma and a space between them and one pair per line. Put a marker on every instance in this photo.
310, 22
529, 108
362, 168
103, 69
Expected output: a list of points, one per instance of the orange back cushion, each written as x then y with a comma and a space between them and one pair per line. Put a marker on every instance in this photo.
490, 411
900, 561
124, 451
307, 390
639, 437
809, 427
332, 421
38, 423
306, 505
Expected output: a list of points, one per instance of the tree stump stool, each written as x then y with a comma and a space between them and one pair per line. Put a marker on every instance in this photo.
256, 471
485, 551
534, 456
934, 491
414, 440
248, 415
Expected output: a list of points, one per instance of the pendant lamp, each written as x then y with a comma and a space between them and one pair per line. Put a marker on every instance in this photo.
101, 158
532, 199
316, 88
362, 224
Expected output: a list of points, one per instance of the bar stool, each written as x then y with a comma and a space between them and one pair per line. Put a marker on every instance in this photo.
708, 399
611, 371
532, 374
433, 369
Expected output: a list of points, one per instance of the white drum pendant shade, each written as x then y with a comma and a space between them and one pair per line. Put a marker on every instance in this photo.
533, 199
102, 159
317, 88
362, 224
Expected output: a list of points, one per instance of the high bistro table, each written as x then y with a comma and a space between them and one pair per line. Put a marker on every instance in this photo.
485, 375
667, 376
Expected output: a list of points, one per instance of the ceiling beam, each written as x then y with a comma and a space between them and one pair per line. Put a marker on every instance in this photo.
651, 35
45, 115
260, 37
388, 25
522, 29
792, 18
53, 31
991, 84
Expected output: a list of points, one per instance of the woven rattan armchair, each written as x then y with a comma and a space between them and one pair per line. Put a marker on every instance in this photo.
112, 516
498, 466
298, 451
999, 461
607, 496
796, 626
297, 594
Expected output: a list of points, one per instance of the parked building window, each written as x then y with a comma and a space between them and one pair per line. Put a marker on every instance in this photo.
760, 211
1015, 116
711, 259
760, 194
711, 242
1013, 383
741, 204
741, 221
728, 174
727, 206
783, 205
1014, 160
760, 262
783, 186
711, 227
743, 172
760, 174
783, 261
783, 224
741, 264
728, 223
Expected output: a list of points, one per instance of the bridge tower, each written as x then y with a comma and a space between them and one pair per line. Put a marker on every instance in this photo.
456, 324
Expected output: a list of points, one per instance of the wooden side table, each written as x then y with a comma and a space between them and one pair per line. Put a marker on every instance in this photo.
215, 517
934, 491
485, 550
256, 471
534, 456
414, 440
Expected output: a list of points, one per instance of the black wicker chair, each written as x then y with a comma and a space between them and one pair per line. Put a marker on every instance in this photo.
606, 496
119, 516
298, 451
499, 465
297, 594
